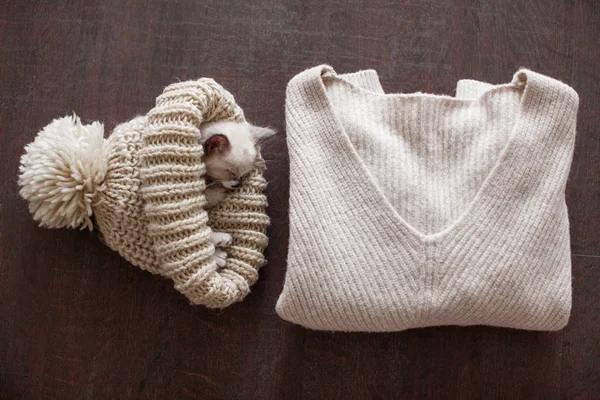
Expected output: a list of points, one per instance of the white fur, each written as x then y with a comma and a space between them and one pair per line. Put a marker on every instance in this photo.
238, 160
230, 167
61, 172
221, 239
220, 258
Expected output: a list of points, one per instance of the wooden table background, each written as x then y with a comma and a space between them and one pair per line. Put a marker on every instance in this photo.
77, 321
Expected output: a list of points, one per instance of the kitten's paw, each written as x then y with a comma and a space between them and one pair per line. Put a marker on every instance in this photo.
220, 258
214, 195
221, 239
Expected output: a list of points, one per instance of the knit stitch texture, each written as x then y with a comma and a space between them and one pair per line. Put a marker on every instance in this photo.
414, 210
148, 201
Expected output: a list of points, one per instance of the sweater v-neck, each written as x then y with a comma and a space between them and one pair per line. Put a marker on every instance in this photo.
371, 189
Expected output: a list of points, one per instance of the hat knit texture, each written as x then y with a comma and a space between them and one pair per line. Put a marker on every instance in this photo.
150, 205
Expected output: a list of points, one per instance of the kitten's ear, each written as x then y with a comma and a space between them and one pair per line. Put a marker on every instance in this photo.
259, 133
216, 144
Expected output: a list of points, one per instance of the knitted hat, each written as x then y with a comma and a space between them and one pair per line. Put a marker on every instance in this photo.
144, 186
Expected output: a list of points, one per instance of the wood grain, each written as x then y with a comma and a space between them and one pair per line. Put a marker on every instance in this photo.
77, 321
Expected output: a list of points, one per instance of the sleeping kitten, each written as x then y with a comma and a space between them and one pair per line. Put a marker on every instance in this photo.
230, 150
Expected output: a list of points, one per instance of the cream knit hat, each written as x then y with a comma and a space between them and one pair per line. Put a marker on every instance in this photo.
144, 186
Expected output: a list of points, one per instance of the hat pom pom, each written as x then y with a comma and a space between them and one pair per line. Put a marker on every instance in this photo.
62, 170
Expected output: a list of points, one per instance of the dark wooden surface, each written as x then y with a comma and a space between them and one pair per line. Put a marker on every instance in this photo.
77, 321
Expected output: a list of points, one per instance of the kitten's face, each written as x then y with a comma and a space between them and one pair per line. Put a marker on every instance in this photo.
230, 150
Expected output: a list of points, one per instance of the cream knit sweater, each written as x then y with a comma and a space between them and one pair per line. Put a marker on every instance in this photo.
414, 210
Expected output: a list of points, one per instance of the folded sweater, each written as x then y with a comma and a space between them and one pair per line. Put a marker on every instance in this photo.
414, 210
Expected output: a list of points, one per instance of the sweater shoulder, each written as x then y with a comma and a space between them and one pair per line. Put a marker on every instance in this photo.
567, 96
305, 78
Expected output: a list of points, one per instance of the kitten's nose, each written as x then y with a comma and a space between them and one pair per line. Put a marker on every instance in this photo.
236, 185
